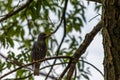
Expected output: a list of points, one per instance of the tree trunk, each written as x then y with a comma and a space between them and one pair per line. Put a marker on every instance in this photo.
111, 39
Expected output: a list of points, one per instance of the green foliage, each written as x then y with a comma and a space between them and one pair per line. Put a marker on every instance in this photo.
21, 30
2, 66
98, 7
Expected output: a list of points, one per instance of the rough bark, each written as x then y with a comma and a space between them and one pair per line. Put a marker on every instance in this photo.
82, 48
111, 39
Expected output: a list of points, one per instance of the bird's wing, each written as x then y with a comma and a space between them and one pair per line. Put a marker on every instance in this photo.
34, 52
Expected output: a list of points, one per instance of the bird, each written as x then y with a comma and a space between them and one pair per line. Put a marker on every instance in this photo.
38, 52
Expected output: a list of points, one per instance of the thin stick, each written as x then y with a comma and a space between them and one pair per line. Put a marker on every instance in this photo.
58, 57
10, 14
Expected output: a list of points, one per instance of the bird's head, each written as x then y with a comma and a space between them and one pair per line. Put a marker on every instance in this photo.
43, 36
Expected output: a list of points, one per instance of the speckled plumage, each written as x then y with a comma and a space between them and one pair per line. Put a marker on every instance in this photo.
38, 51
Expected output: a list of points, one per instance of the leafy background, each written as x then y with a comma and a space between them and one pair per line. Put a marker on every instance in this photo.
18, 33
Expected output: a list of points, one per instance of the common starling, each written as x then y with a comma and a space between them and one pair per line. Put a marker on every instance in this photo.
39, 51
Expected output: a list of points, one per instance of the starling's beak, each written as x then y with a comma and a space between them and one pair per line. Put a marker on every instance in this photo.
48, 35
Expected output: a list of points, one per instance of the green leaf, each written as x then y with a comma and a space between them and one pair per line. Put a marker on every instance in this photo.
19, 73
3, 40
22, 34
10, 41
9, 65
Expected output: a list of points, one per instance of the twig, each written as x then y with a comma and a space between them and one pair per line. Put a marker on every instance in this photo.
53, 65
93, 67
75, 76
19, 78
62, 18
11, 61
15, 11
2, 56
82, 48
57, 52
19, 64
99, 1
64, 71
94, 17
57, 26
58, 57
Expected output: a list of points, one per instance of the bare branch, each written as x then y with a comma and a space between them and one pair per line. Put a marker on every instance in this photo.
93, 67
2, 56
99, 1
11, 61
58, 57
82, 48
65, 70
10, 14
63, 19
19, 64
19, 78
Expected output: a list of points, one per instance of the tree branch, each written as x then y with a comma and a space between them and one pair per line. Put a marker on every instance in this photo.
82, 48
93, 67
64, 71
99, 1
23, 78
19, 64
10, 14
58, 57
63, 19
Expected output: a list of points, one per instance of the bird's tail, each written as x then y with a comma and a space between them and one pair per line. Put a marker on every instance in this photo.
36, 71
